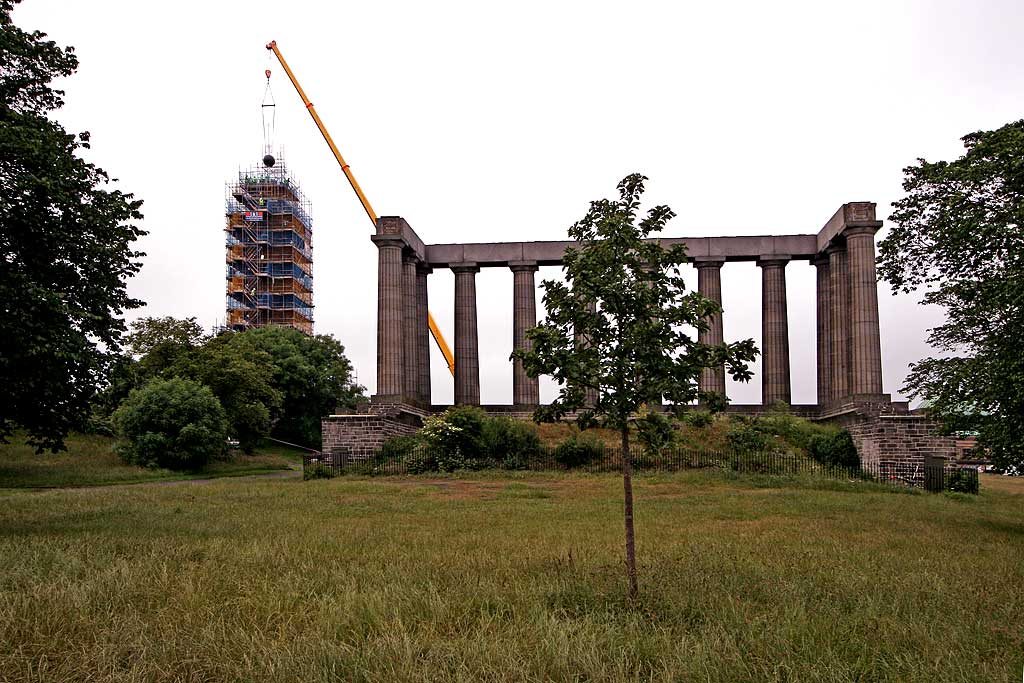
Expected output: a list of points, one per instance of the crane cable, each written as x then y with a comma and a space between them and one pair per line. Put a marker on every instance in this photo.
269, 117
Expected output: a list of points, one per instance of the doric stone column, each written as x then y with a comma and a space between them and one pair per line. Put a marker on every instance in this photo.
390, 315
410, 352
823, 315
866, 356
467, 350
525, 389
709, 284
840, 322
422, 336
775, 384
590, 394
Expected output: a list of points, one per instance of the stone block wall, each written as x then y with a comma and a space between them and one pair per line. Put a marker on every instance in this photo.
900, 438
886, 432
358, 437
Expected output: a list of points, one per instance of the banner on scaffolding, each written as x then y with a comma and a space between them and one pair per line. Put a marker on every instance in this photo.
253, 216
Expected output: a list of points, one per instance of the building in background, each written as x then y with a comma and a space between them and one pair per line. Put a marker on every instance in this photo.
269, 250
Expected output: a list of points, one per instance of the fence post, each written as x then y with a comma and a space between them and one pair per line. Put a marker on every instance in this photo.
934, 473
339, 459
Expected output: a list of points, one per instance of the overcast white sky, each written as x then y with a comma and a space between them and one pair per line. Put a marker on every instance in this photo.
485, 122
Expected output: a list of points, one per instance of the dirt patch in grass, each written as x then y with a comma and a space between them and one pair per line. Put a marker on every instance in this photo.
466, 490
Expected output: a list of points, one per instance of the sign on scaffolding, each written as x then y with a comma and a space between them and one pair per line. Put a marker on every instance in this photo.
253, 216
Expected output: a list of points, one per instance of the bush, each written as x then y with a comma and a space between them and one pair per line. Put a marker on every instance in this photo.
511, 441
699, 419
715, 402
962, 481
834, 449
177, 424
420, 462
398, 448
456, 434
578, 450
317, 470
745, 437
793, 430
654, 431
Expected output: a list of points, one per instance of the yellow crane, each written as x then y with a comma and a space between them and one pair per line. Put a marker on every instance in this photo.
435, 331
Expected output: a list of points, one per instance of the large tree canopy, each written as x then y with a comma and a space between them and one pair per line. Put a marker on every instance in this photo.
620, 331
65, 250
958, 236
313, 377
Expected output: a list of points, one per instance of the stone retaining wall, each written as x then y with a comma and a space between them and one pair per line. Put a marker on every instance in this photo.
358, 437
883, 431
887, 432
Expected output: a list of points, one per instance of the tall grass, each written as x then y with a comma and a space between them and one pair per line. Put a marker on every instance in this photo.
90, 461
514, 578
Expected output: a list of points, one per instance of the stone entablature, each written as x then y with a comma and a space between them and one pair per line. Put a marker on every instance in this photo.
501, 254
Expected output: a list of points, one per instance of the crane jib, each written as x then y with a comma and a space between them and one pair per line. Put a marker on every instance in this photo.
435, 331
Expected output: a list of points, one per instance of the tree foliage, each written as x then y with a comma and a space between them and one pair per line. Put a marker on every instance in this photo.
160, 343
958, 236
639, 347
65, 249
178, 424
621, 326
241, 376
313, 377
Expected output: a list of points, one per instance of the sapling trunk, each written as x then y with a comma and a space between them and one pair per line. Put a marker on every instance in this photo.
627, 486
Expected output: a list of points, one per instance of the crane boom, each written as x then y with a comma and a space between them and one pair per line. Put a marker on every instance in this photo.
435, 331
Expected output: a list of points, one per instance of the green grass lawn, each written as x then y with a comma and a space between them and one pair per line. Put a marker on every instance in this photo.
516, 577
91, 461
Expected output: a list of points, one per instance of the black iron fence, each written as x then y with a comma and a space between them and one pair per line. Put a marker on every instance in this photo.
933, 475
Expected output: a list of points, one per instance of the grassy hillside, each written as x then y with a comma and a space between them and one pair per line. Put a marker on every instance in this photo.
517, 578
91, 460
711, 437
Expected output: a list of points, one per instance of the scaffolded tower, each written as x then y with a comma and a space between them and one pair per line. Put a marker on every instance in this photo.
269, 250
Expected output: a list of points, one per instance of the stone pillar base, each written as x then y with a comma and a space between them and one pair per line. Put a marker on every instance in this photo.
359, 437
888, 433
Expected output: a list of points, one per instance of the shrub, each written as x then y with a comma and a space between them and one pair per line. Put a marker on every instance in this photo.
317, 470
398, 447
699, 419
834, 449
962, 481
745, 437
177, 423
456, 433
511, 441
578, 450
654, 431
715, 402
795, 431
420, 462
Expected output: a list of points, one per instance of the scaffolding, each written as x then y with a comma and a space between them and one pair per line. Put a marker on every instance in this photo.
268, 239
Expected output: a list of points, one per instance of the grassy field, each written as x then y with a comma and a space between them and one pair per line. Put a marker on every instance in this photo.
91, 461
515, 577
